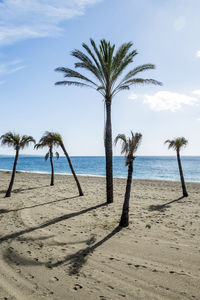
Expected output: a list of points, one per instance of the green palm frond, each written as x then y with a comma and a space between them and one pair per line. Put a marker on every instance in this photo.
10, 139
129, 145
137, 70
15, 140
56, 137
26, 140
106, 65
73, 74
176, 143
75, 83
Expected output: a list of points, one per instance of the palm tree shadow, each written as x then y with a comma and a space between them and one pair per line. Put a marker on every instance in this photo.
11, 256
77, 260
48, 223
4, 211
163, 207
21, 190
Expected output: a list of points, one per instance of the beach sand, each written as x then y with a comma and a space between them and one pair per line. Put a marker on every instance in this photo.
57, 245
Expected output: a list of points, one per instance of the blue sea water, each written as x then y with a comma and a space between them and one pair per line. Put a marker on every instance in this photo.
145, 167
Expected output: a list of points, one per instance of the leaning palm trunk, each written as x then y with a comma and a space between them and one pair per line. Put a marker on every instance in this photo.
72, 169
124, 222
185, 194
52, 167
108, 153
8, 193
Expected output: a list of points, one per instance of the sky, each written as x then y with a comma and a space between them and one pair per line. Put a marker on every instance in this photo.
38, 36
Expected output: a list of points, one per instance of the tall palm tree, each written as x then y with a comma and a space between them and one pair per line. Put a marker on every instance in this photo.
106, 67
17, 142
129, 148
177, 144
47, 141
58, 139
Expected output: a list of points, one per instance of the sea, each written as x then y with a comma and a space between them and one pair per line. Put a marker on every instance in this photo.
145, 167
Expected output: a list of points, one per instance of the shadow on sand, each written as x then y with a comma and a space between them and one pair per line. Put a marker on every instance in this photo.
75, 261
48, 223
162, 207
21, 190
4, 211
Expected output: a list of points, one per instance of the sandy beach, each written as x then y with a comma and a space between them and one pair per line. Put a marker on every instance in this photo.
57, 245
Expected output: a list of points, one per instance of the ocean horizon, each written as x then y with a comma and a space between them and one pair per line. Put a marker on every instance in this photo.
145, 167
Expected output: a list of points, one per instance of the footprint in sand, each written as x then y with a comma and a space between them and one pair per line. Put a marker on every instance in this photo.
77, 287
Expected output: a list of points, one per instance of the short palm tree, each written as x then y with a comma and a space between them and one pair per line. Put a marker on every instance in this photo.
47, 141
17, 142
58, 139
129, 148
177, 144
106, 67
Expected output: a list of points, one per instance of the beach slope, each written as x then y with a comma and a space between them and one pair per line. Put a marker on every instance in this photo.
57, 245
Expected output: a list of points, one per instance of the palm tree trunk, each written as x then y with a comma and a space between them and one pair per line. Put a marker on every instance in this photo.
185, 194
108, 153
52, 167
8, 193
72, 169
124, 222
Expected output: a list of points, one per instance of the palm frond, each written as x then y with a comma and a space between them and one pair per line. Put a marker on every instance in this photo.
73, 74
46, 156
26, 140
76, 83
176, 143
129, 145
137, 70
107, 65
124, 142
10, 139
120, 54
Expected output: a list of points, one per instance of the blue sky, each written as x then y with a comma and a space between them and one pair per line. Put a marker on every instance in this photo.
38, 36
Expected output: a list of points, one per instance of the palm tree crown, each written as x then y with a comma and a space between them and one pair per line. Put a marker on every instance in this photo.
15, 140
47, 140
129, 145
177, 143
106, 66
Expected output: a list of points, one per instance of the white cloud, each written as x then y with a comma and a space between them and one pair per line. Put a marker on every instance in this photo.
179, 23
166, 100
198, 53
11, 67
20, 19
196, 92
133, 97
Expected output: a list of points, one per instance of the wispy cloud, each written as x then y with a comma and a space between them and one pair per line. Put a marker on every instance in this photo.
196, 92
198, 53
133, 97
11, 67
21, 19
166, 100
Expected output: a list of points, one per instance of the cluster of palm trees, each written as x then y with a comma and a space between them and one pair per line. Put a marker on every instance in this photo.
50, 140
106, 67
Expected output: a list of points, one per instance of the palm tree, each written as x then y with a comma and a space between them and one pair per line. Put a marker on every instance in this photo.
129, 147
47, 141
177, 144
58, 139
106, 67
17, 142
